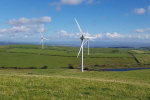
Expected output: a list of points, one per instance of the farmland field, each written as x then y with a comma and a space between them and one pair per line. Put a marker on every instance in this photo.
138, 51
19, 81
143, 58
25, 56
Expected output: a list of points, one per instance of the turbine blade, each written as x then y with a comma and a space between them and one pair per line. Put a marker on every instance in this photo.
80, 48
86, 41
41, 41
45, 39
79, 27
91, 39
41, 35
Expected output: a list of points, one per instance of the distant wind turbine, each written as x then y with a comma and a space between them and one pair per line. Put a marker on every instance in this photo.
89, 38
81, 48
42, 40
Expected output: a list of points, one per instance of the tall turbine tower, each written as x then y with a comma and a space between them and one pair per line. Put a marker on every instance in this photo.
42, 40
81, 48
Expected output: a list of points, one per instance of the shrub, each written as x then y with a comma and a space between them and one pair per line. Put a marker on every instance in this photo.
33, 67
3, 67
96, 65
45, 67
114, 51
86, 68
70, 66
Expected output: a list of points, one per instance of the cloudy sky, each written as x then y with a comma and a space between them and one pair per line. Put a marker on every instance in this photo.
108, 20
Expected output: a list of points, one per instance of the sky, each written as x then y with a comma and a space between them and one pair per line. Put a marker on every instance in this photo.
107, 20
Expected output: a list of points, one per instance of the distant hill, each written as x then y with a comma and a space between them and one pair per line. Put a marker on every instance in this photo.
96, 44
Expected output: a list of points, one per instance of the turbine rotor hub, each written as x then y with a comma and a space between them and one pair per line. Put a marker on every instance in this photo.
82, 37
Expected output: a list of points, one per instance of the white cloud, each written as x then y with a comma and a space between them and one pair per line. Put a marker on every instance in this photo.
141, 30
64, 34
148, 29
23, 29
66, 2
27, 26
89, 1
142, 36
40, 30
98, 35
149, 9
114, 35
35, 26
71, 2
86, 34
139, 11
14, 30
24, 20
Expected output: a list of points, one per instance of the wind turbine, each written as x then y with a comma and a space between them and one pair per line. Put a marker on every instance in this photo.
81, 48
89, 38
42, 40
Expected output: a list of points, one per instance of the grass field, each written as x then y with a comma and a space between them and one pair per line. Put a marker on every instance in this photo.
71, 49
70, 84
4, 46
25, 56
143, 58
60, 83
22, 60
139, 51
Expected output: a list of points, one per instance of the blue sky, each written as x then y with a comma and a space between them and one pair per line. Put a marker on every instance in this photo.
108, 20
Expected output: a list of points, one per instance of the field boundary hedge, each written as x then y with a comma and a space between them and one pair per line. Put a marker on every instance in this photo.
134, 57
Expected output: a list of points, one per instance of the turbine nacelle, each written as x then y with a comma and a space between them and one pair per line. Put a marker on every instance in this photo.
82, 37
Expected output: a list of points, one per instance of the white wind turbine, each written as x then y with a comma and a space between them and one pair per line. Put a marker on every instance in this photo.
89, 38
42, 40
81, 48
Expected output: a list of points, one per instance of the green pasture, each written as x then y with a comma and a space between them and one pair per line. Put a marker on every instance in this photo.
143, 58
22, 60
26, 46
4, 46
146, 51
70, 84
40, 51
25, 56
138, 51
66, 53
72, 49
141, 51
3, 49
29, 60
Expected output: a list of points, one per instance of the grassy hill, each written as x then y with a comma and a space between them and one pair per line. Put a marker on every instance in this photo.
70, 84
